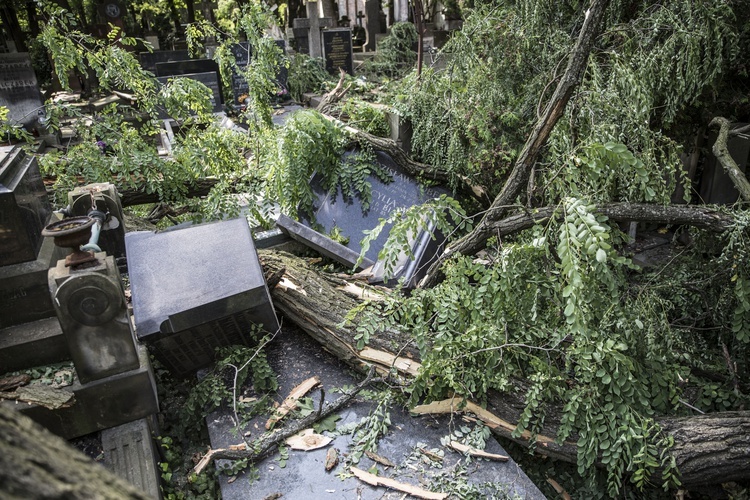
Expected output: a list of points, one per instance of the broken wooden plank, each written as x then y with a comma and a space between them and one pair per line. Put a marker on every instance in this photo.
474, 452
412, 490
386, 359
290, 403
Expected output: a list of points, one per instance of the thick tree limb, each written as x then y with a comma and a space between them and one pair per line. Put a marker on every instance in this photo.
519, 176
702, 217
34, 463
709, 449
721, 151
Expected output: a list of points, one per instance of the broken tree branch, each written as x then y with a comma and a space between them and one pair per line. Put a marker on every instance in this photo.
721, 151
518, 178
412, 490
709, 449
290, 402
270, 440
473, 452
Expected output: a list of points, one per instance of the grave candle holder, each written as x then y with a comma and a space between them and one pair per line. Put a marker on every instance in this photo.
72, 233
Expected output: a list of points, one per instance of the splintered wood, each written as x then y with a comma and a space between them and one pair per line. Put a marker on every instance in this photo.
468, 450
412, 490
290, 403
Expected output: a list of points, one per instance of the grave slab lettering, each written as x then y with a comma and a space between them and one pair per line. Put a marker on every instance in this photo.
338, 50
351, 220
19, 90
197, 288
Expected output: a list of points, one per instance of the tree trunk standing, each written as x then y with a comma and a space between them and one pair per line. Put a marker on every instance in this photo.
174, 14
10, 19
709, 449
31, 15
190, 11
34, 463
519, 176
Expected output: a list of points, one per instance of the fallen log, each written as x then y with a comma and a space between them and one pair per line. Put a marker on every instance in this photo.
709, 449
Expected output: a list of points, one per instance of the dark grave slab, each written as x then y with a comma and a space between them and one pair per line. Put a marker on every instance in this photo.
197, 288
209, 79
149, 60
337, 47
301, 40
130, 452
24, 292
102, 404
321, 243
190, 67
295, 357
242, 53
19, 90
24, 208
34, 343
349, 217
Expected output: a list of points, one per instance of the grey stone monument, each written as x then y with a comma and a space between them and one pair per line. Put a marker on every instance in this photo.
313, 23
197, 288
19, 90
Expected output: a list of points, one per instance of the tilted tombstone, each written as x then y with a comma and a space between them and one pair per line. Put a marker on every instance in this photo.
19, 90
197, 288
351, 220
337, 44
309, 28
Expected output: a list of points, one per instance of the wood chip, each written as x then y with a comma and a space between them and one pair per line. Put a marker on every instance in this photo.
379, 459
386, 359
332, 458
416, 491
42, 395
13, 382
559, 489
307, 440
290, 403
462, 448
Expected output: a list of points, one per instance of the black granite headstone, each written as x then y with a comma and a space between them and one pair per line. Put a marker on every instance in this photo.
402, 192
149, 60
242, 55
19, 90
197, 288
337, 46
209, 79
24, 208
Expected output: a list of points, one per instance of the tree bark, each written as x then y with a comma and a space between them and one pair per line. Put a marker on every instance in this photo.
519, 176
34, 463
709, 449
132, 197
721, 151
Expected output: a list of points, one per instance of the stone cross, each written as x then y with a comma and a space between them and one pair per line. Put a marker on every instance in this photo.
314, 23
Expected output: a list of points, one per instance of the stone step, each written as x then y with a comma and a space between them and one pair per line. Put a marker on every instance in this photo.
130, 452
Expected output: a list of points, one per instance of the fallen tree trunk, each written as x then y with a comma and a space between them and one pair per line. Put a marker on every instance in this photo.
709, 449
34, 463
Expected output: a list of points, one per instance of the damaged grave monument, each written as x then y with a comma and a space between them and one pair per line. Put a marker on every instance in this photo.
114, 383
29, 332
351, 220
197, 288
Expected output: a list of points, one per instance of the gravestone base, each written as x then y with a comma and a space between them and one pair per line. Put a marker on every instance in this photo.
32, 344
102, 404
130, 452
24, 291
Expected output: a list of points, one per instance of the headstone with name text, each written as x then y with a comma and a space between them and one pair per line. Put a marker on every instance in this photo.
242, 53
337, 44
19, 90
